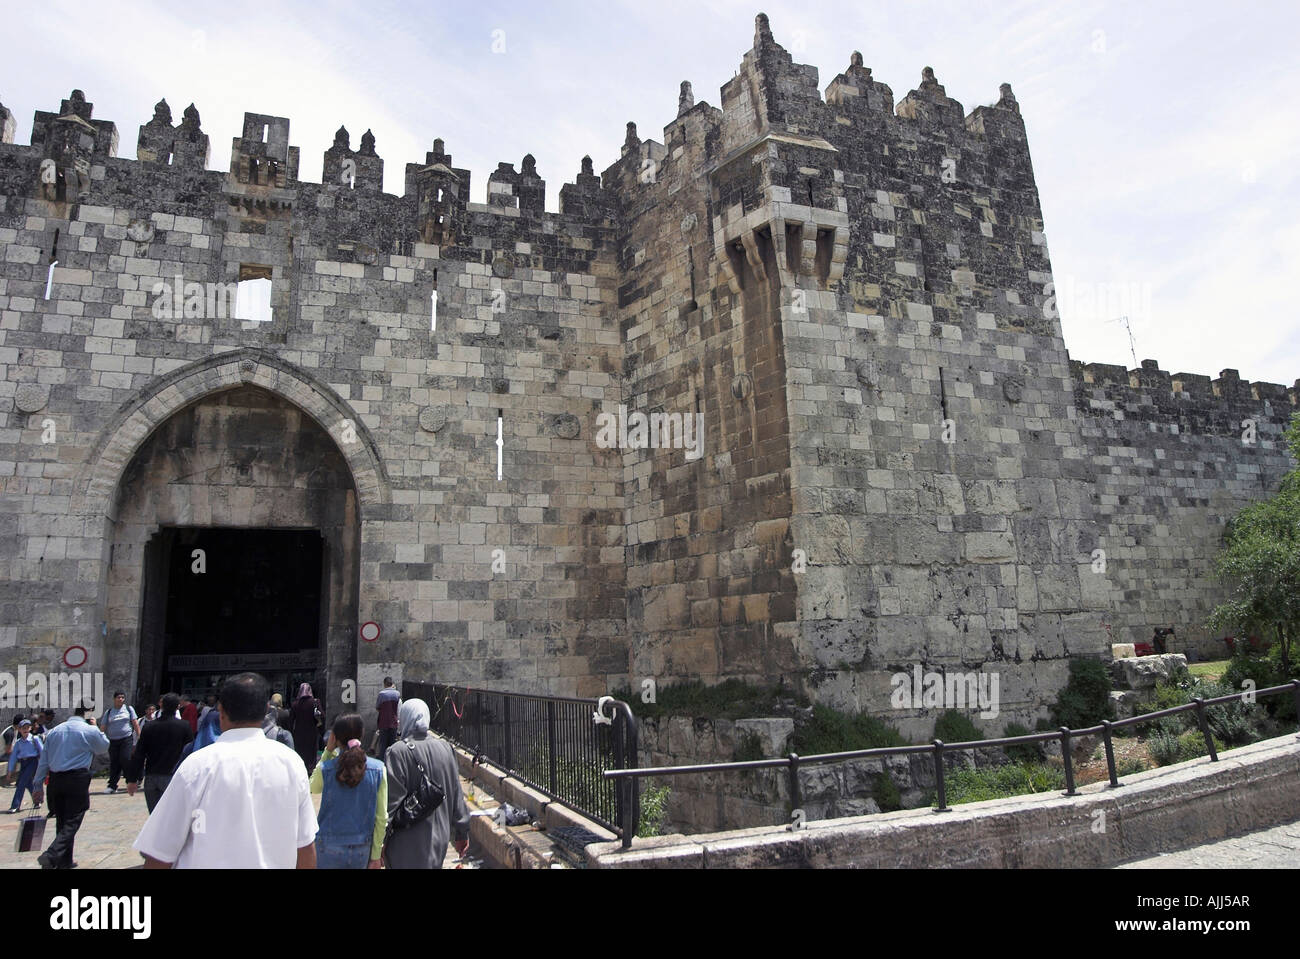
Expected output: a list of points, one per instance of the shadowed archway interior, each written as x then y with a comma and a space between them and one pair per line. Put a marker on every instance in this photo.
248, 488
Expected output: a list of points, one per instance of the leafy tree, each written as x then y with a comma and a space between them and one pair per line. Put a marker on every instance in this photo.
1261, 562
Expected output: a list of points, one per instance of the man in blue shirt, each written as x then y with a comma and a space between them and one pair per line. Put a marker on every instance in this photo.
121, 727
69, 749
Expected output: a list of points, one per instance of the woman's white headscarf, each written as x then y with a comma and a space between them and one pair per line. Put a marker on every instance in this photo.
413, 717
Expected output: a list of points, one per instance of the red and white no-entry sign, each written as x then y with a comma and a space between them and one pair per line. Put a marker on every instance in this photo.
370, 632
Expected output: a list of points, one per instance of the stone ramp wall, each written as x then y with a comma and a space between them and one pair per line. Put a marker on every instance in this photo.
1154, 812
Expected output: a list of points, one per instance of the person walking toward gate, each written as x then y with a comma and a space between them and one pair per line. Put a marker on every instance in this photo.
307, 720
23, 760
121, 727
190, 713
69, 749
387, 704
162, 743
419, 755
353, 813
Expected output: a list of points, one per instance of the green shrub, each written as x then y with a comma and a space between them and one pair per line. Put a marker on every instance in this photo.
1236, 723
1167, 748
998, 782
1130, 765
1169, 695
654, 810
885, 792
1243, 666
1025, 753
1264, 671
831, 731
1164, 747
1174, 725
1191, 744
749, 748
1085, 700
955, 727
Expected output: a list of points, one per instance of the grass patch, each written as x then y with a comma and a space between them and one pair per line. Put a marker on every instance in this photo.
830, 731
999, 782
1026, 753
732, 699
885, 792
955, 727
1209, 671
654, 810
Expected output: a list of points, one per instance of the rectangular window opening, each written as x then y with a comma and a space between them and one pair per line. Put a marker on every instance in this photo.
253, 293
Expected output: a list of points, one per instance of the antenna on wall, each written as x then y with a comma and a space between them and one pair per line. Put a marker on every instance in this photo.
1132, 346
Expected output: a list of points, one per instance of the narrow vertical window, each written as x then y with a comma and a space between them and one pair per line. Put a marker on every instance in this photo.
54, 261
500, 441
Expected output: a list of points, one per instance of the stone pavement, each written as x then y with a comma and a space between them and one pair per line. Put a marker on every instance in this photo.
1276, 848
111, 825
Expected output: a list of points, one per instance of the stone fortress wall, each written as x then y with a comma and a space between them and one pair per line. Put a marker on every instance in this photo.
901, 465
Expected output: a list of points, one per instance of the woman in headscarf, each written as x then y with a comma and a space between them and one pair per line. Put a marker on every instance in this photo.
307, 720
423, 845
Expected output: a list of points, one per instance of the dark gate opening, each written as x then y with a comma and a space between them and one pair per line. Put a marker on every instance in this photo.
220, 601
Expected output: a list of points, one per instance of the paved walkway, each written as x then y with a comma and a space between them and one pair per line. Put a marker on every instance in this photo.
110, 827
1276, 848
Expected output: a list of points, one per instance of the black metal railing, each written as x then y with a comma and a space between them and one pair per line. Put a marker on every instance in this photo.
938, 748
559, 746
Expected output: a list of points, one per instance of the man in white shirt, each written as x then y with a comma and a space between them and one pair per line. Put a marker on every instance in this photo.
242, 803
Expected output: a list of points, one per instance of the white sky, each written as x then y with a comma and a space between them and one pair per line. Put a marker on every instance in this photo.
1164, 134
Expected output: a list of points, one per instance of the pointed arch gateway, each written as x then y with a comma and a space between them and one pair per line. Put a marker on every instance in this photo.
97, 485
264, 476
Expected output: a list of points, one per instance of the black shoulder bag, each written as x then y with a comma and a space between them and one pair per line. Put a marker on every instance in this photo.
418, 803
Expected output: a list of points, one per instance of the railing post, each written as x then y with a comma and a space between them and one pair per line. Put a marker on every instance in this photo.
553, 772
1110, 754
505, 748
628, 736
795, 802
627, 790
1069, 760
1205, 728
629, 810
941, 791
478, 704
1295, 688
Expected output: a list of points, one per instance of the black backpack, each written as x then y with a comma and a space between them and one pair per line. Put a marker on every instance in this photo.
420, 802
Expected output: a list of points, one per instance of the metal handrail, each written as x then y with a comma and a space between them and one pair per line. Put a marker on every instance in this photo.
937, 748
552, 744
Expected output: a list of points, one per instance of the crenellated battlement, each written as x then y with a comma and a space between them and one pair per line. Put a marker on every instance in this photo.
1151, 394
771, 95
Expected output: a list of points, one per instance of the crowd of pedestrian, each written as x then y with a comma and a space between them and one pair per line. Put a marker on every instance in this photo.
228, 782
